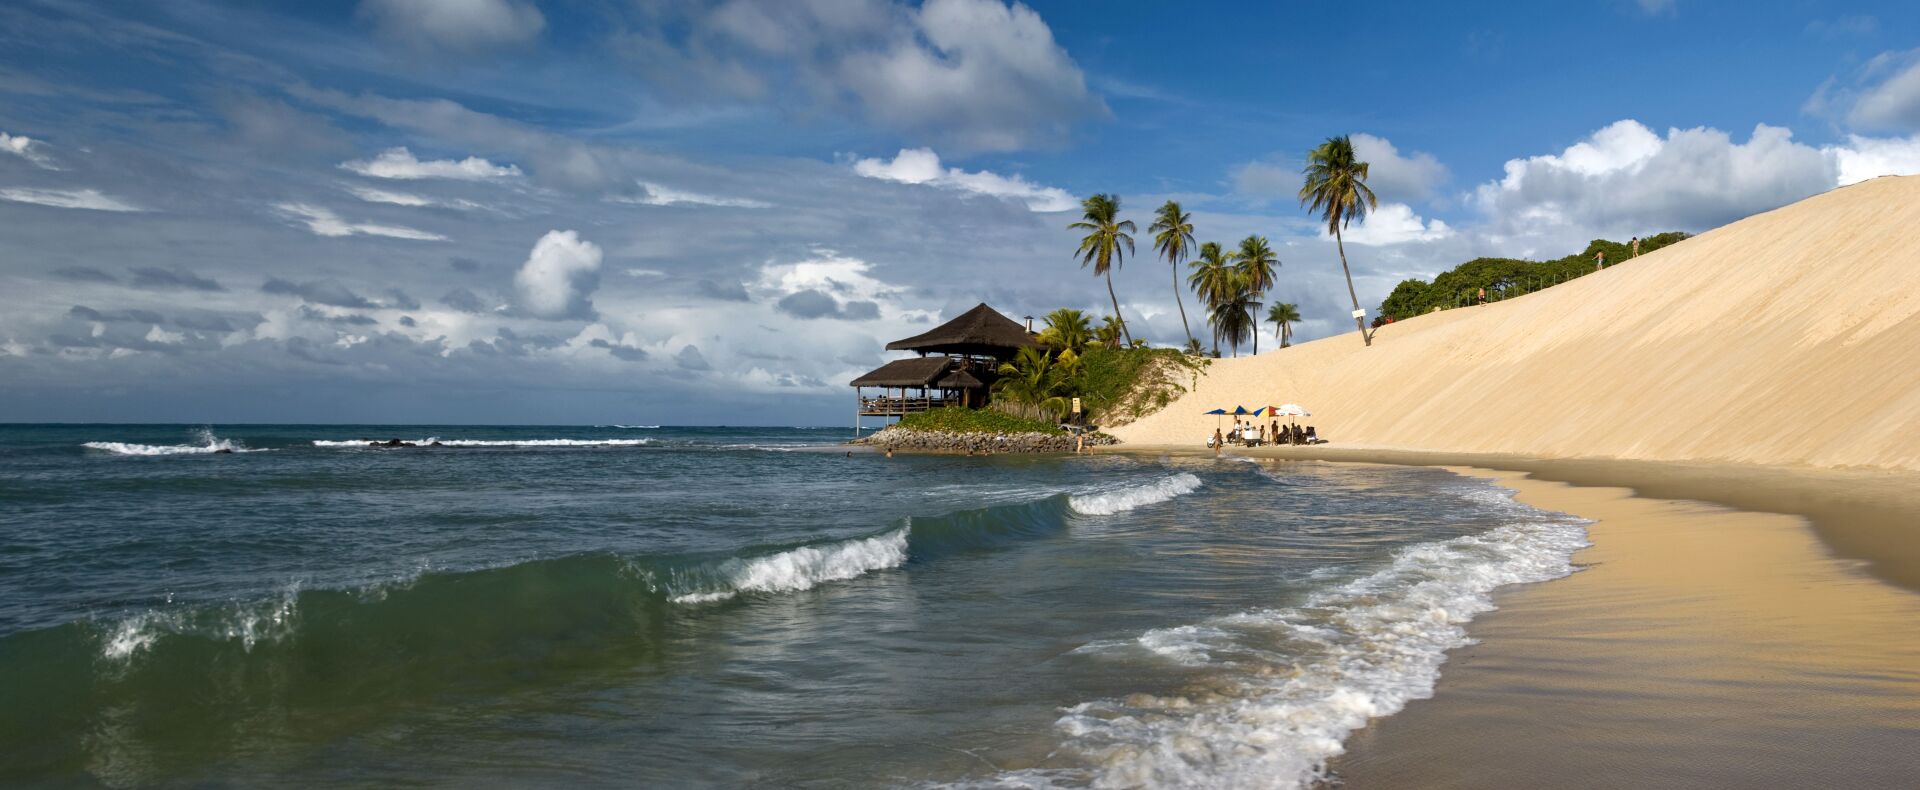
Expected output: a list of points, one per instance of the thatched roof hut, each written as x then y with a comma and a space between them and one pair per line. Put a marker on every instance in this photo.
981, 332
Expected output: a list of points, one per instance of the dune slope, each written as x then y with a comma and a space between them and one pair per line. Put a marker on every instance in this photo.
1790, 337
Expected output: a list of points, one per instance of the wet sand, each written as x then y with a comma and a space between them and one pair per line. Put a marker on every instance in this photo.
1702, 644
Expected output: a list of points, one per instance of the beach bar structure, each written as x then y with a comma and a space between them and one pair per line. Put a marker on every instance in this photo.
958, 363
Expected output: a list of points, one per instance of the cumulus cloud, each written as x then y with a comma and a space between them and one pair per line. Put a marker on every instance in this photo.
1393, 176
177, 279
464, 301
90, 199
559, 277
27, 148
400, 163
976, 74
922, 166
1865, 157
456, 25
690, 358
1394, 223
620, 350
1627, 178
658, 195
813, 303
323, 222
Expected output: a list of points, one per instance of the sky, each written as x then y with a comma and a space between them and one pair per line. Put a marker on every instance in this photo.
719, 211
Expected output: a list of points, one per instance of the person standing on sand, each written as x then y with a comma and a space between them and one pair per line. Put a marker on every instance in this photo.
1599, 260
1218, 440
1483, 295
1636, 248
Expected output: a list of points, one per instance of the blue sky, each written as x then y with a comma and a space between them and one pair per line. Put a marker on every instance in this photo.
718, 211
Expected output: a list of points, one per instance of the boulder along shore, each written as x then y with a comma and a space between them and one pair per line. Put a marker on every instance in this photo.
906, 440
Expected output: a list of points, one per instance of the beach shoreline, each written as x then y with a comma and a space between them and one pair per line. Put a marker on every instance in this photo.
1729, 626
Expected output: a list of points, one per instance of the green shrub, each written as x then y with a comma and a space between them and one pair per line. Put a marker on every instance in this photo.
1505, 277
953, 419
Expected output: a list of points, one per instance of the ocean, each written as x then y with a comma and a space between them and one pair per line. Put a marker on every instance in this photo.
684, 607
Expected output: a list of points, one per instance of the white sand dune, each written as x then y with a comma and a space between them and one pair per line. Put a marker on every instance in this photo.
1790, 337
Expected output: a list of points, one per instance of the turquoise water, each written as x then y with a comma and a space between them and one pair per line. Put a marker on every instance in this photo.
713, 607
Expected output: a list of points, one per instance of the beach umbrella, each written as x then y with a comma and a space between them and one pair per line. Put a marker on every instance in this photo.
1217, 413
1292, 410
1240, 411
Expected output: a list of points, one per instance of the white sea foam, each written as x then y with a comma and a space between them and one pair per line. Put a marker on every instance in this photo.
208, 444
1359, 650
492, 442
247, 623
805, 567
1107, 503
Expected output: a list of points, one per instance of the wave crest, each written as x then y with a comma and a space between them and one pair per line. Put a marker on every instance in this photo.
433, 441
209, 444
1107, 503
801, 568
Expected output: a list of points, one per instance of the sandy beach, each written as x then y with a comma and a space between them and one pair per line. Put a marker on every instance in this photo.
1702, 644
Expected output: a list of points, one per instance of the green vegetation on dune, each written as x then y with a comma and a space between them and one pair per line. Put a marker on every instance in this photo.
1504, 278
957, 420
1125, 383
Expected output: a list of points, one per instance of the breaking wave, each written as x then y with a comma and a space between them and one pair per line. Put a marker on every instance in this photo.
1107, 503
1296, 682
209, 444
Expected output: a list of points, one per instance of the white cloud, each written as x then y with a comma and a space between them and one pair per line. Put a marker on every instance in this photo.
559, 276
1393, 176
27, 148
324, 222
1625, 178
1394, 223
400, 163
975, 74
372, 195
67, 198
454, 24
158, 335
922, 166
1893, 102
658, 195
986, 73
1264, 180
1866, 157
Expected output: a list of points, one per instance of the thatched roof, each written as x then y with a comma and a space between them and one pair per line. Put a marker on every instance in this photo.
982, 331
917, 372
958, 380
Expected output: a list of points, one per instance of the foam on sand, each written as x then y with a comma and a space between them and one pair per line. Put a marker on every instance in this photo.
1353, 652
1790, 337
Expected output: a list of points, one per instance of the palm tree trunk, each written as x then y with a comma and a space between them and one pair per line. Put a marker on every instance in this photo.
1182, 303
1256, 338
1286, 334
1116, 309
1358, 322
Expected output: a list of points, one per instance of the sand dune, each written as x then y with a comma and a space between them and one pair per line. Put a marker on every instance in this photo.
1790, 337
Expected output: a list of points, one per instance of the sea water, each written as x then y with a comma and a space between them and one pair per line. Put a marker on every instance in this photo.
643, 605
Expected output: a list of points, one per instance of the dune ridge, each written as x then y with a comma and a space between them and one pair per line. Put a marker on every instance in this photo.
1787, 338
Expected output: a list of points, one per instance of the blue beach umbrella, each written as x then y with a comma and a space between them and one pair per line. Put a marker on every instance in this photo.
1216, 413
1240, 411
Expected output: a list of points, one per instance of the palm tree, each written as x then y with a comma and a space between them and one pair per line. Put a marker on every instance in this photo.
1106, 235
1255, 261
1336, 186
1109, 332
1283, 316
1033, 379
1212, 279
1067, 330
1232, 316
1173, 237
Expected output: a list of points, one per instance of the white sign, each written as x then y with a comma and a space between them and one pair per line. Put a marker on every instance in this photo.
1076, 405
1361, 313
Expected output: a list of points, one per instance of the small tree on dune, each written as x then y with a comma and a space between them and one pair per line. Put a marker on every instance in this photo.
1283, 316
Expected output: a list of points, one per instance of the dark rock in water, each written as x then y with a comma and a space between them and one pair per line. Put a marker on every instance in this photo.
392, 443
436, 444
224, 451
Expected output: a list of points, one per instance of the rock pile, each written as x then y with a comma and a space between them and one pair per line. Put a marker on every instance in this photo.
894, 438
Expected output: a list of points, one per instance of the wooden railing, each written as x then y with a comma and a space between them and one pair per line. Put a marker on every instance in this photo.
894, 407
